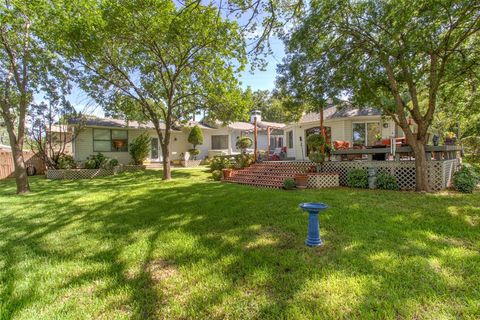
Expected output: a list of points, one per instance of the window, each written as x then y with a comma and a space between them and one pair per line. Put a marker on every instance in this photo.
290, 139
364, 133
106, 140
220, 142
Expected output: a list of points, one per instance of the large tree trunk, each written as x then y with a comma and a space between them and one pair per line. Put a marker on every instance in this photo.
421, 166
21, 177
167, 175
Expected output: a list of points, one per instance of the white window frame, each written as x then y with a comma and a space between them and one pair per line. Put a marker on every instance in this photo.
366, 129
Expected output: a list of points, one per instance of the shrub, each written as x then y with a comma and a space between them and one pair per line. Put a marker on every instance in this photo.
386, 181
90, 164
109, 163
217, 175
244, 143
318, 148
289, 184
315, 142
465, 180
194, 152
357, 178
196, 136
245, 160
140, 148
316, 156
66, 162
219, 163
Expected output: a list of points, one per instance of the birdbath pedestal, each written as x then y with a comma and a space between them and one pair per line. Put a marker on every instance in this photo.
313, 209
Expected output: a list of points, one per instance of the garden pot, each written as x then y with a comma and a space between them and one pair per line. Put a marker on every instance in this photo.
312, 169
227, 173
450, 141
301, 181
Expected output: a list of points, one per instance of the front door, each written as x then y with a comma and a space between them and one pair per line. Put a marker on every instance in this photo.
154, 154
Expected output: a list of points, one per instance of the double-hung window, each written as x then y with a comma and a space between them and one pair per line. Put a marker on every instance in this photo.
110, 140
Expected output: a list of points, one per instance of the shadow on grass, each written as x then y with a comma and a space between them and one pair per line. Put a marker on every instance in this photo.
190, 248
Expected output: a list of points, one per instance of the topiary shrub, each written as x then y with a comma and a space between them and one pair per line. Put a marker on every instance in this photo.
244, 143
386, 181
465, 180
195, 137
140, 148
217, 175
219, 163
289, 184
357, 178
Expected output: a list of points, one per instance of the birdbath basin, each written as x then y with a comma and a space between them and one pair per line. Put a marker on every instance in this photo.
313, 209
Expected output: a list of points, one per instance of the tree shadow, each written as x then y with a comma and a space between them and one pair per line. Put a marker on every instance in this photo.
218, 250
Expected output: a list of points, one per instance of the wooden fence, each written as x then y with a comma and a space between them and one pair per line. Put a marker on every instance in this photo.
7, 168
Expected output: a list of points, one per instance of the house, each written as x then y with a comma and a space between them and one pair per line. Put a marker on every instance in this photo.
112, 137
360, 127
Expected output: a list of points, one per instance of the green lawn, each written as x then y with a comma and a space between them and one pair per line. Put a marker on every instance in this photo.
133, 246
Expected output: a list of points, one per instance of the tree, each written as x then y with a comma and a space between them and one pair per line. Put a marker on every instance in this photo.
27, 67
157, 59
140, 148
50, 131
271, 106
399, 56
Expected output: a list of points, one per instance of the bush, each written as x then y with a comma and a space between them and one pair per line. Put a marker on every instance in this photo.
90, 164
109, 163
194, 152
357, 178
318, 148
217, 175
289, 184
316, 156
219, 163
196, 136
245, 160
66, 162
244, 143
315, 142
465, 180
386, 181
140, 148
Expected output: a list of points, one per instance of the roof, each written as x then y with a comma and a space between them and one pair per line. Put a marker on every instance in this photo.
334, 112
265, 124
115, 123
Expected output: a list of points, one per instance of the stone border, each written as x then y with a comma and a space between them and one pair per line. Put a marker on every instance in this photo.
76, 174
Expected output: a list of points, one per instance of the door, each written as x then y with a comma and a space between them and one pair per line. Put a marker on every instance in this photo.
154, 149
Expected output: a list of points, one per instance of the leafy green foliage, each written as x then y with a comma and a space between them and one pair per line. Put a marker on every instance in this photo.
195, 137
244, 160
217, 175
156, 60
140, 148
194, 152
386, 181
289, 184
109, 163
66, 162
219, 163
244, 143
317, 148
357, 178
472, 146
466, 179
91, 164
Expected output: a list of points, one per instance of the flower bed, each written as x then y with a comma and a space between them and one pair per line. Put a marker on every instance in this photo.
75, 174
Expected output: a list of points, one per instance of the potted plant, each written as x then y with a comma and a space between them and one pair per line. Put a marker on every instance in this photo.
195, 138
378, 139
318, 149
301, 180
243, 143
450, 138
227, 173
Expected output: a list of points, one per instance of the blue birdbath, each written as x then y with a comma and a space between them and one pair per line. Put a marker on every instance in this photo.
313, 209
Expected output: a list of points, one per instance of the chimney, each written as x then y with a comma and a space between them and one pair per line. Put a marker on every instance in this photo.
255, 114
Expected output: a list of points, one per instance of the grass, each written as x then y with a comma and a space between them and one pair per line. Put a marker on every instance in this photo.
133, 246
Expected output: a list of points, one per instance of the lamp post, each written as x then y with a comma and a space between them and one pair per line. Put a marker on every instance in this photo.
313, 209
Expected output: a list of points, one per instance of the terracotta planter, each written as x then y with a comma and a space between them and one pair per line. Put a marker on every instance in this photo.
301, 181
227, 173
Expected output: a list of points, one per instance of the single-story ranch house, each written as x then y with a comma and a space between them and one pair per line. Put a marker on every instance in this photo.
355, 126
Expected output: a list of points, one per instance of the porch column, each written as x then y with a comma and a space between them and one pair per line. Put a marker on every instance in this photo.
268, 143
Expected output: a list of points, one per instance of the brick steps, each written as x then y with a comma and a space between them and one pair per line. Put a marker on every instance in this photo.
267, 174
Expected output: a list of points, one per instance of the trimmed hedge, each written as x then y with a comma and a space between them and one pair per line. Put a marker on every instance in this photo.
386, 181
357, 178
466, 179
